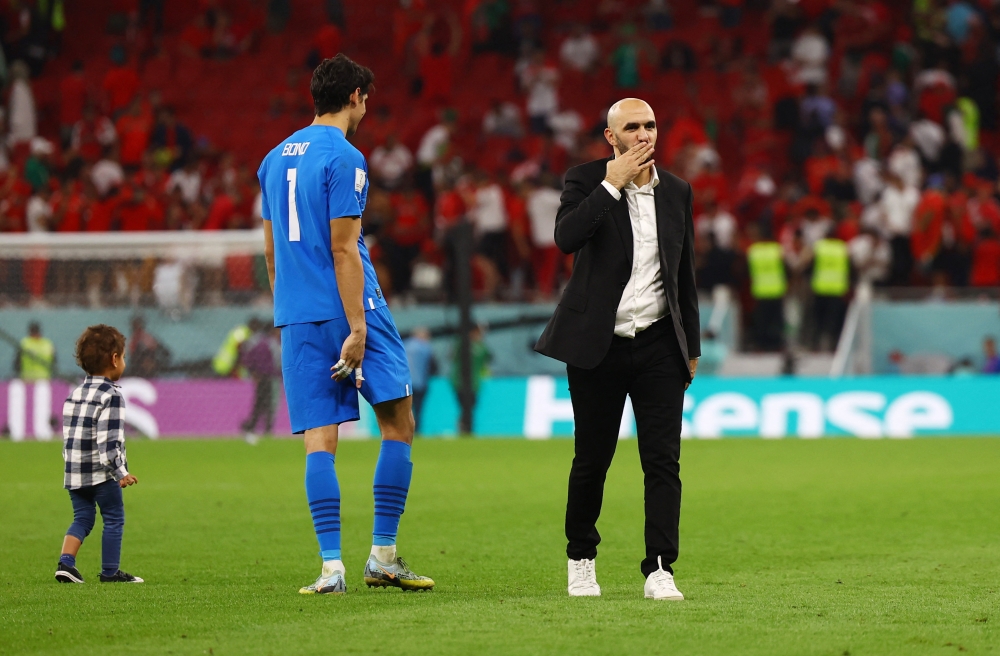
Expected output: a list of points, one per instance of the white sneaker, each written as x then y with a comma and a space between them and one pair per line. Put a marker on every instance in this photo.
583, 579
660, 585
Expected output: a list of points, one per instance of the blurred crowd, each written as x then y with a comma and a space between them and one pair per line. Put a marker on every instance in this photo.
865, 123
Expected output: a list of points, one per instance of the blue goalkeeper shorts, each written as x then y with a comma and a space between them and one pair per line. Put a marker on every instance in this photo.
309, 350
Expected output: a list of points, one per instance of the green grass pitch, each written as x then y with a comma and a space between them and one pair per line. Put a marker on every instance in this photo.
828, 547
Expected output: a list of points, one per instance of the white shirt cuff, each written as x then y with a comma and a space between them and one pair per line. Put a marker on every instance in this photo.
616, 194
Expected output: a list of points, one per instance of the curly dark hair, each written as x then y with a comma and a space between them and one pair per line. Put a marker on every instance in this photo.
96, 346
334, 80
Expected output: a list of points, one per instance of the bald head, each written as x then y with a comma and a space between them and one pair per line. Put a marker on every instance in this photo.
626, 107
630, 122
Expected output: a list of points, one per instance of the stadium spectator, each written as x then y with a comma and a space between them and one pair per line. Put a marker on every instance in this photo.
133, 129
107, 174
423, 365
391, 163
436, 47
91, 135
985, 271
898, 205
542, 206
630, 57
991, 359
120, 84
38, 166
488, 212
22, 117
433, 153
502, 119
72, 100
810, 52
580, 51
171, 140
147, 357
186, 181
539, 80
39, 210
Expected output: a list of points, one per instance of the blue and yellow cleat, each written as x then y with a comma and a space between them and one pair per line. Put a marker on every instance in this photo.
330, 581
396, 575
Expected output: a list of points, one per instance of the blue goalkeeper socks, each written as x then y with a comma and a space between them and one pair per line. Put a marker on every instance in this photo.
67, 559
323, 494
392, 482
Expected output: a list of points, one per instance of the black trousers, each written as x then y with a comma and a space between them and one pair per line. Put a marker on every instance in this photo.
649, 369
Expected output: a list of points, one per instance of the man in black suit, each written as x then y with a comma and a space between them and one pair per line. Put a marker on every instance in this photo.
627, 325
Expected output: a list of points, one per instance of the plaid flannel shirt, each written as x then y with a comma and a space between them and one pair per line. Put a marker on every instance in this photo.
94, 434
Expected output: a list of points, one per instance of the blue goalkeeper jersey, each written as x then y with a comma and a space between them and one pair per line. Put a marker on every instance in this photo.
311, 177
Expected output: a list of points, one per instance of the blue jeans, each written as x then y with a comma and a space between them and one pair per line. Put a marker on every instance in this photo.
107, 496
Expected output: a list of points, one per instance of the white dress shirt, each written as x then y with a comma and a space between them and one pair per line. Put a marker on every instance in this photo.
643, 301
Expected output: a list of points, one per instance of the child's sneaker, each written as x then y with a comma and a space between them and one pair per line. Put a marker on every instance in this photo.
121, 577
68, 574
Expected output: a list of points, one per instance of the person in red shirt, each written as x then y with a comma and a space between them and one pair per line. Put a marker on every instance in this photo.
195, 39
91, 135
983, 209
72, 99
140, 212
326, 42
222, 209
928, 220
69, 206
406, 234
121, 83
133, 135
102, 214
986, 260
437, 46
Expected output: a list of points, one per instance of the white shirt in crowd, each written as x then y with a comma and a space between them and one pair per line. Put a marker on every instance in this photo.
722, 226
898, 206
490, 212
106, 175
38, 214
566, 125
929, 138
503, 121
810, 51
189, 183
579, 52
871, 256
905, 162
643, 300
391, 164
541, 82
542, 206
433, 144
868, 180
22, 118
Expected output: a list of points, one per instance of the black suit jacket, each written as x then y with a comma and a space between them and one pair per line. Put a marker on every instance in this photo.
598, 229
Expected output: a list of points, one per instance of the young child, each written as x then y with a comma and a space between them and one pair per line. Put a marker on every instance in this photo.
94, 451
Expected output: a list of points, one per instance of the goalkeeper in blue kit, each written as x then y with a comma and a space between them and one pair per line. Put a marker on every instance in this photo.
337, 335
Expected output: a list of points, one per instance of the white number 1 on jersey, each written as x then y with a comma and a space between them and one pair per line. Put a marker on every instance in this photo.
293, 212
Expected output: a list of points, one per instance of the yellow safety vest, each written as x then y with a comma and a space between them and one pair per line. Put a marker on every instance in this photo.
37, 356
229, 352
831, 269
767, 270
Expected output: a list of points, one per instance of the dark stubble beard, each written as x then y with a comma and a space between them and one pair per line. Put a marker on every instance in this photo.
622, 149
